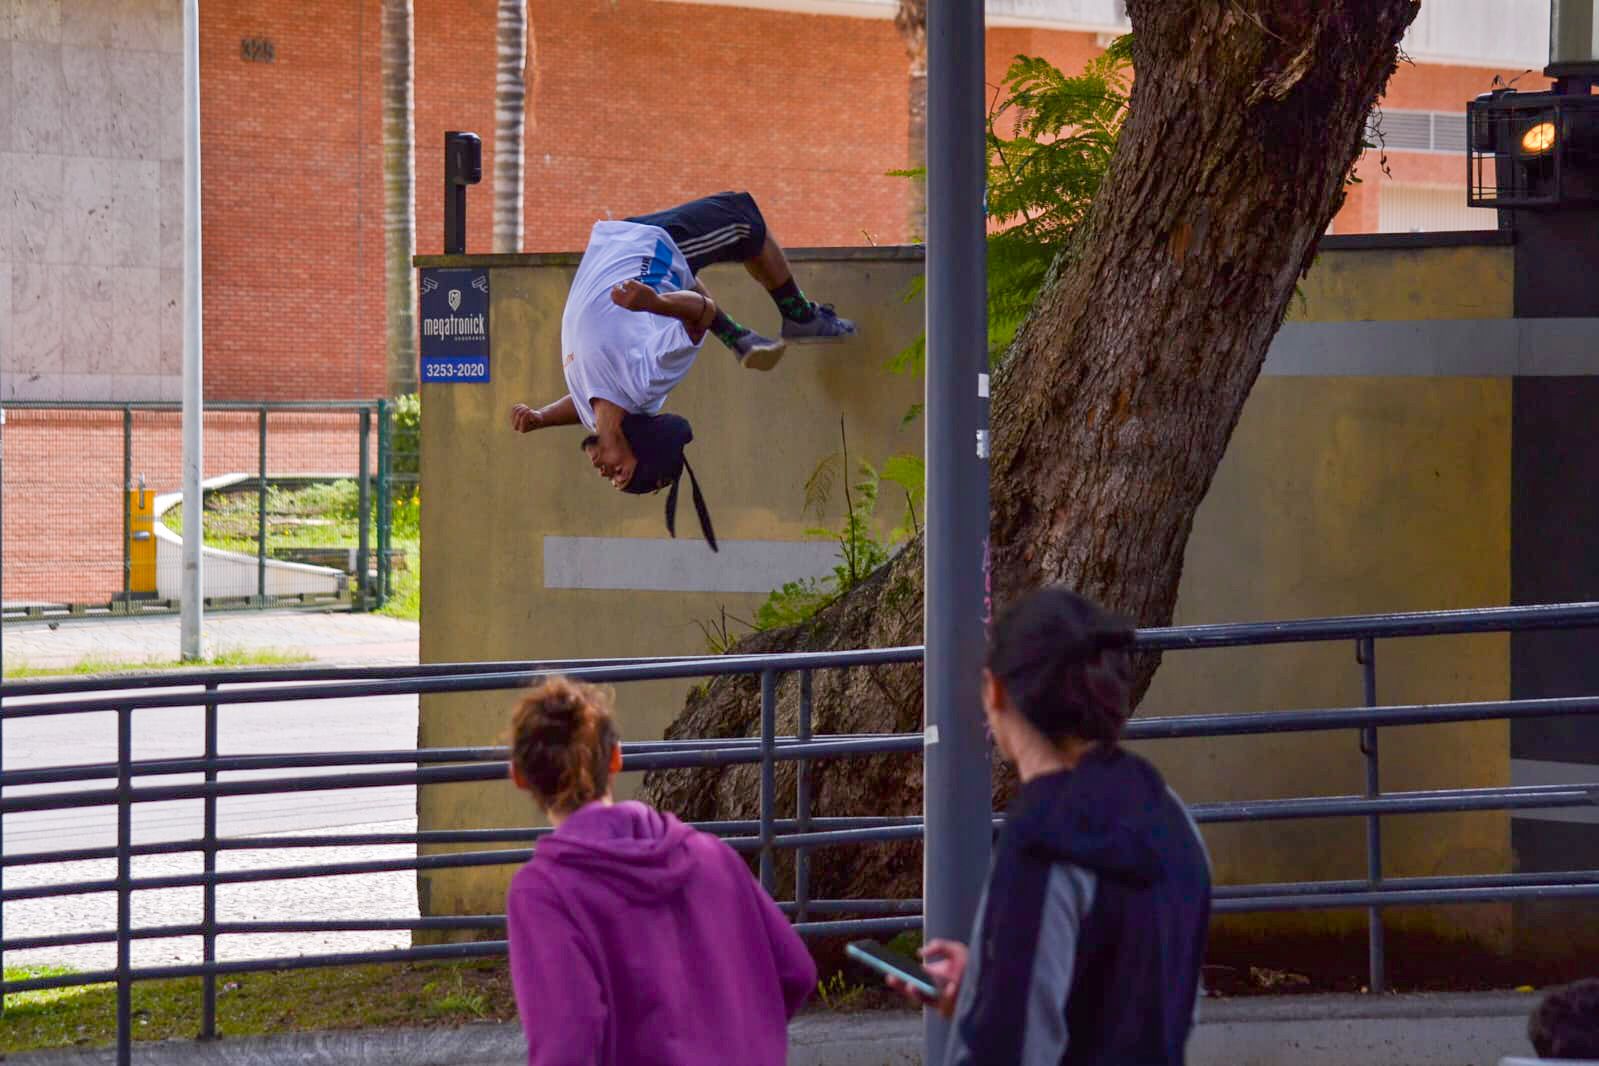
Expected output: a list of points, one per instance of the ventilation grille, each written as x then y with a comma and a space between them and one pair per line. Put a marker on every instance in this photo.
1418, 131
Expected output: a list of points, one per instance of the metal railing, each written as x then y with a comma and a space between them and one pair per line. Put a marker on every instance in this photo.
116, 784
83, 470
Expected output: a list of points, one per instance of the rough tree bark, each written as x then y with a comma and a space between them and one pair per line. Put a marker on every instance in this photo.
399, 196
1113, 408
510, 115
910, 18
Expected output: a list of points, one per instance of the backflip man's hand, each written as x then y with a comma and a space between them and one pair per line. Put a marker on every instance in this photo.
635, 296
524, 419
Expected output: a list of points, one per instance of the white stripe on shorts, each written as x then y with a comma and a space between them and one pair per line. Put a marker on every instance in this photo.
717, 238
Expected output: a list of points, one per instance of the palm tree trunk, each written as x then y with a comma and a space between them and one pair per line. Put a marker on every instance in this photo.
399, 196
911, 21
510, 113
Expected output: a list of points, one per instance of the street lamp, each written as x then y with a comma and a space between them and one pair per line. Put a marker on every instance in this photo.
1541, 149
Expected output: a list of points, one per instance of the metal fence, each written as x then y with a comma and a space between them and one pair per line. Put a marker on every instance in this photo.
85, 487
115, 784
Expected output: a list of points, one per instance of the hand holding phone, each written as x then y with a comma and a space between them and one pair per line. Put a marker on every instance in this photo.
936, 985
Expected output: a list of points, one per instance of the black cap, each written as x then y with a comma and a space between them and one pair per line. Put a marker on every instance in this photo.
658, 442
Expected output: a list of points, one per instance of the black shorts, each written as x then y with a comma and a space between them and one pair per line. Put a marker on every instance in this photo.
725, 228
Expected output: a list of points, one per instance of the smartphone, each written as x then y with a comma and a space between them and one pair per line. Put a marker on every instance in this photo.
893, 964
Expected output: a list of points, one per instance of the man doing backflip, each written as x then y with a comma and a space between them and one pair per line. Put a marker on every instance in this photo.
636, 317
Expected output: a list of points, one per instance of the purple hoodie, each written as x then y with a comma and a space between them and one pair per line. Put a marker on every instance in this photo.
635, 938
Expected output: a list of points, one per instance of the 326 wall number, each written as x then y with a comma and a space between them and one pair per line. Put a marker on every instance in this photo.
257, 50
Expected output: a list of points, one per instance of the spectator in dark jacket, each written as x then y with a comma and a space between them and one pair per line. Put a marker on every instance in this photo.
633, 937
1089, 938
1566, 1023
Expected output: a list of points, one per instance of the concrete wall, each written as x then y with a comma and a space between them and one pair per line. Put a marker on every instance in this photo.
1354, 484
1365, 475
497, 500
90, 200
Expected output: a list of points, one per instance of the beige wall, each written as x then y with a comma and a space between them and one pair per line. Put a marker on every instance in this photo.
1339, 494
494, 496
91, 163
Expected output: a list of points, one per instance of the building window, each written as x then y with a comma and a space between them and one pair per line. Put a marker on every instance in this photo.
1429, 209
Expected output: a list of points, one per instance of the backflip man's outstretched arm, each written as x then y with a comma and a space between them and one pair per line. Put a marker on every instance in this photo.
562, 412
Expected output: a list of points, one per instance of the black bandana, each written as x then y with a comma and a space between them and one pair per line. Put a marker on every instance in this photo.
658, 442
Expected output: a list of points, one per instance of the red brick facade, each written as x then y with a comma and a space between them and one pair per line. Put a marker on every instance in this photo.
634, 104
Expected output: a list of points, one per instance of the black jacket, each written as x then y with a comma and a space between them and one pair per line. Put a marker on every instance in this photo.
1092, 928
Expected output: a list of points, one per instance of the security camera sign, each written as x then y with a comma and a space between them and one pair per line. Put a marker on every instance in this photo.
455, 324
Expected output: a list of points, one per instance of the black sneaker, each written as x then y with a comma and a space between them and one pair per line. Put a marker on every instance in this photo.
824, 325
756, 352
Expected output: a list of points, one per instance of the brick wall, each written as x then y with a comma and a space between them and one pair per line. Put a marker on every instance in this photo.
634, 105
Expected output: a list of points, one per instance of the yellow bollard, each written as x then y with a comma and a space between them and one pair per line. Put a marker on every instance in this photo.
141, 538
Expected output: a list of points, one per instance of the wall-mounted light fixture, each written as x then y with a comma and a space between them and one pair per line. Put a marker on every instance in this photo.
1541, 149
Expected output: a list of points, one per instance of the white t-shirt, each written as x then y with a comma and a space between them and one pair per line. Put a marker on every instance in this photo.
631, 358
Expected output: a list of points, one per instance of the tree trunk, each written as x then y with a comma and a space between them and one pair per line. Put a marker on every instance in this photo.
1116, 401
911, 20
510, 114
399, 196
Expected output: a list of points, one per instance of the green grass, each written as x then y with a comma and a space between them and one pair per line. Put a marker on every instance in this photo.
317, 516
237, 657
344, 997
407, 599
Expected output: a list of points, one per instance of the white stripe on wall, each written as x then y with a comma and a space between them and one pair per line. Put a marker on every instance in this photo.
1543, 772
1439, 347
683, 565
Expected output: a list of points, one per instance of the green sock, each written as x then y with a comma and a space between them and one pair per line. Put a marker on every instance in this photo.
792, 303
727, 331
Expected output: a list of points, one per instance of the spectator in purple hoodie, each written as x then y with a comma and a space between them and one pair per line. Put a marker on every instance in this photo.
633, 937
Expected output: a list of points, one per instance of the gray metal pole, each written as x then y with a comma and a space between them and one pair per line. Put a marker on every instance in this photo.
955, 767
364, 539
191, 638
261, 513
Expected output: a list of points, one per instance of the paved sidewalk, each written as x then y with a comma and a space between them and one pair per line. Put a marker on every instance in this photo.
329, 636
1441, 1030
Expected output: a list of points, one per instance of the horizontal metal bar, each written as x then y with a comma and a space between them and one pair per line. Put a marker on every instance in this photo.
1349, 627
634, 750
472, 949
493, 681
1266, 722
1526, 797
256, 675
66, 980
856, 906
99, 936
1312, 888
875, 835
858, 927
444, 861
1171, 638
331, 925
743, 754
1414, 898
422, 837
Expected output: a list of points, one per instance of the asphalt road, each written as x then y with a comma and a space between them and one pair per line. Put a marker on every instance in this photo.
375, 723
